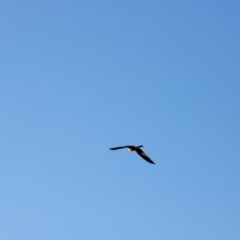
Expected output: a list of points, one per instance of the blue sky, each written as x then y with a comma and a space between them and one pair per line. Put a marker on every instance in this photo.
78, 77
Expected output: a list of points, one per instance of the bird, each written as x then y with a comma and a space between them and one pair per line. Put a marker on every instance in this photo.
137, 149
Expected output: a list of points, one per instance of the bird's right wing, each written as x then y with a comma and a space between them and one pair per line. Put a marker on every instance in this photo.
116, 148
144, 156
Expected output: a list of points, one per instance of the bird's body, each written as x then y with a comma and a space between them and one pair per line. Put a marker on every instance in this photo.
137, 149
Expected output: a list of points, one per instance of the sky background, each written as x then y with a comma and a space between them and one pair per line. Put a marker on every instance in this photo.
78, 77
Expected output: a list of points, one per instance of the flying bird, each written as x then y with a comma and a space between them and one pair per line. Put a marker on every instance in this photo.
137, 149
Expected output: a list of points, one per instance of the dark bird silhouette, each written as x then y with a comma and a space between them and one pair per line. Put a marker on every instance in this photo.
137, 149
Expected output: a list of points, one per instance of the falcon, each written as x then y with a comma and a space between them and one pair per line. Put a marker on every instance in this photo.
137, 149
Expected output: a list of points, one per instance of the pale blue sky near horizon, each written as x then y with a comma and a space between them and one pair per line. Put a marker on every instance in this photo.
78, 77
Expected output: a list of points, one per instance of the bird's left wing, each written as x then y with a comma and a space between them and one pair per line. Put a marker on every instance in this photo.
116, 148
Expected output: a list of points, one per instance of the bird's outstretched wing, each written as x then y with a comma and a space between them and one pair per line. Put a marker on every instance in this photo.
144, 155
116, 148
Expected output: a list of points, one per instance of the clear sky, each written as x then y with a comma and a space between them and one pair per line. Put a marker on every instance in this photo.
78, 77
